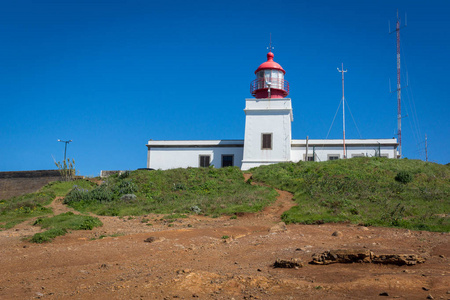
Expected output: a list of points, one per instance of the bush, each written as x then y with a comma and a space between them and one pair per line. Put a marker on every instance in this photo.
47, 236
404, 177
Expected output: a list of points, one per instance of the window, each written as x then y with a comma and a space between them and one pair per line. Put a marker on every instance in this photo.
204, 161
310, 157
266, 143
333, 156
227, 161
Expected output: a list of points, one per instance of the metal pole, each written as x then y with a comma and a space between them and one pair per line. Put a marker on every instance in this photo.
426, 148
306, 155
65, 147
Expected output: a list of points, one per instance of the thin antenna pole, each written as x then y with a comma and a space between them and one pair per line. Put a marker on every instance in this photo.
426, 148
343, 106
270, 43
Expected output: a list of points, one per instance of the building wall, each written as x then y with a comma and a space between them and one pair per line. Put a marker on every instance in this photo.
267, 116
17, 183
322, 153
171, 158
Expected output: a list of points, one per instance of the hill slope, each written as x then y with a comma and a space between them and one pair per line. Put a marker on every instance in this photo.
372, 191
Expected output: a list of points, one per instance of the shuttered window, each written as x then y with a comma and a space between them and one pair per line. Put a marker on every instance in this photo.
227, 161
266, 141
204, 161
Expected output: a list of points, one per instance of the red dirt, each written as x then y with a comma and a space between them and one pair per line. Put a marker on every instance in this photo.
190, 259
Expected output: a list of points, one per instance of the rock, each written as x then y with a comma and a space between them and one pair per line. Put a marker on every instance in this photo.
342, 256
337, 233
291, 263
384, 294
365, 256
441, 256
280, 227
430, 297
150, 239
425, 289
398, 259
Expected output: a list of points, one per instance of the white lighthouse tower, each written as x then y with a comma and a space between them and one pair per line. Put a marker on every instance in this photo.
268, 117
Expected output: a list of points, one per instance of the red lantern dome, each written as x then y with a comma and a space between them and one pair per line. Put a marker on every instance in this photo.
269, 82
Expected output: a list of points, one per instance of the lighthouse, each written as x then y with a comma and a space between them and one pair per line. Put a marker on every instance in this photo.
267, 138
269, 82
268, 117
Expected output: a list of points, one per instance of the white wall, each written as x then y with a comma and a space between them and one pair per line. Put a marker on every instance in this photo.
272, 116
171, 158
322, 151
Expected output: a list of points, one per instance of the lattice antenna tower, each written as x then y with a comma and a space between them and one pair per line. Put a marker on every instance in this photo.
399, 87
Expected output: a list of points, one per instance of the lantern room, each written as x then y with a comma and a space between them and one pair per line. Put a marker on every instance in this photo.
269, 82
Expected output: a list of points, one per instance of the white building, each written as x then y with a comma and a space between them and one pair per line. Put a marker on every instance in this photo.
268, 138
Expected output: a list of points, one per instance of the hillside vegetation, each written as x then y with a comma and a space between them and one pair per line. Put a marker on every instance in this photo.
17, 209
371, 191
208, 191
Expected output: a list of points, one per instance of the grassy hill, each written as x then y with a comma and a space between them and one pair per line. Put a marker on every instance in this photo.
208, 191
372, 191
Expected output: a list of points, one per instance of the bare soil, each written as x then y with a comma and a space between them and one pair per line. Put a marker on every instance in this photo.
221, 258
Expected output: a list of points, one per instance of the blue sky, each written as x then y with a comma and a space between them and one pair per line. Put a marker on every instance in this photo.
110, 75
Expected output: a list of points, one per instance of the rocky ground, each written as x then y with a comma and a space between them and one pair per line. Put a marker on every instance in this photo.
219, 258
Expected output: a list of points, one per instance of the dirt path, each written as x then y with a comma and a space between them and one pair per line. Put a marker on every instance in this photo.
59, 208
192, 258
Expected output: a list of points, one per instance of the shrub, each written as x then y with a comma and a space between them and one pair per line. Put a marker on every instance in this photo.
404, 177
48, 236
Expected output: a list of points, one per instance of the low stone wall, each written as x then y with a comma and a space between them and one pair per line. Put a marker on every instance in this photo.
17, 183
106, 173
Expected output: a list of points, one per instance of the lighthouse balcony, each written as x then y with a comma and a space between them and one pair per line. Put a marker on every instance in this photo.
279, 88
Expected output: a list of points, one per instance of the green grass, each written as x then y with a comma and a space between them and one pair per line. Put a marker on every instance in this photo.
369, 191
60, 224
18, 209
206, 191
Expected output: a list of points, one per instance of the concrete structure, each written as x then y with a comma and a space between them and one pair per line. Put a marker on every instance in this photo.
267, 138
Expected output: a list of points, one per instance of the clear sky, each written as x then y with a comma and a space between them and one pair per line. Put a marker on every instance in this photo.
110, 75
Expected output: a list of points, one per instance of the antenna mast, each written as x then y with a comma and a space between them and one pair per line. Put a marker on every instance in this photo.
399, 90
343, 105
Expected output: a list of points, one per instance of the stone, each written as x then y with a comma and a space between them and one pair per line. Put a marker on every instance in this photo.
342, 256
365, 256
398, 259
384, 294
337, 233
289, 264
430, 297
280, 227
150, 239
